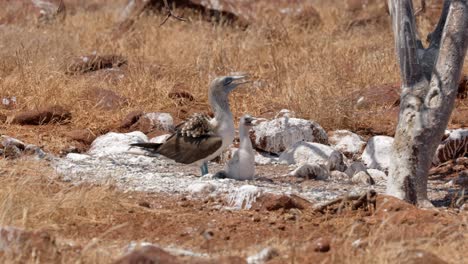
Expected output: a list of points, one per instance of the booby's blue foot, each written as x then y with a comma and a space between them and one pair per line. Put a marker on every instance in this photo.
204, 168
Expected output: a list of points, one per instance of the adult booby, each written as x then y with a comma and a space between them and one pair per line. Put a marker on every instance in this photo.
242, 164
202, 138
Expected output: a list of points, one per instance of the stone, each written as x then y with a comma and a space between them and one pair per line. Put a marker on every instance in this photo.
12, 152
148, 254
243, 197
52, 114
354, 168
9, 102
273, 202
321, 244
131, 118
339, 176
104, 99
93, 62
362, 177
378, 153
387, 95
201, 188
31, 149
314, 153
311, 171
262, 158
454, 145
277, 135
114, 143
377, 175
263, 256
82, 135
346, 142
154, 121
9, 141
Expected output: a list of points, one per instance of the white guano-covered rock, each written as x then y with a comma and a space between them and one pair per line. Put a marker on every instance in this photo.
277, 135
378, 153
162, 121
311, 171
314, 153
113, 143
243, 197
346, 142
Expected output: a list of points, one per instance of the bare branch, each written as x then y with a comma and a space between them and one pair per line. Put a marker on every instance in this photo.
407, 44
170, 14
422, 9
436, 35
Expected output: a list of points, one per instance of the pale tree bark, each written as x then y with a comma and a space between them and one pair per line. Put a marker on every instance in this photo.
429, 78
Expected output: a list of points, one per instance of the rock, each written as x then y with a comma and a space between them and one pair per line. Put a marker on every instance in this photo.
354, 168
387, 95
279, 134
9, 102
154, 121
82, 135
160, 139
314, 153
28, 246
321, 244
88, 63
339, 176
77, 157
12, 152
114, 143
362, 177
148, 254
418, 256
262, 158
9, 141
377, 175
273, 202
453, 146
104, 99
31, 149
243, 197
131, 118
42, 116
201, 188
311, 171
378, 153
263, 256
346, 142
180, 94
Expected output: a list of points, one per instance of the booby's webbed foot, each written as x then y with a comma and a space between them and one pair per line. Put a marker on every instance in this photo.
204, 168
220, 175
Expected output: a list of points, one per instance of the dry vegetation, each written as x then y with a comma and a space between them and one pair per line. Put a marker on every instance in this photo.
315, 71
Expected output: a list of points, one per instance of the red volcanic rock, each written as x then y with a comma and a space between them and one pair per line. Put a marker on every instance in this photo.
148, 254
273, 202
93, 62
51, 114
82, 135
131, 118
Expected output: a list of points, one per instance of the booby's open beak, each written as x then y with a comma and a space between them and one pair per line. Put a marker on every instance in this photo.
250, 121
239, 79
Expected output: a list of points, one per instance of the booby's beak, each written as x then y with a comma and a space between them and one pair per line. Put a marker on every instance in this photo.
237, 80
250, 121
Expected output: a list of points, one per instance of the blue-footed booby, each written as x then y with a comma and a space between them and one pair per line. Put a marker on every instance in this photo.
242, 164
202, 138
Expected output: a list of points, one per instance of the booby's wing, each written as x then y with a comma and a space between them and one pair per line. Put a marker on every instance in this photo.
193, 140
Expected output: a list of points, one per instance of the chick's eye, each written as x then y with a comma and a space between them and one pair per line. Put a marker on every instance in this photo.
227, 81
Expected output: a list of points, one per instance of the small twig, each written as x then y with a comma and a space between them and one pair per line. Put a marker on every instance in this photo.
367, 197
170, 14
422, 9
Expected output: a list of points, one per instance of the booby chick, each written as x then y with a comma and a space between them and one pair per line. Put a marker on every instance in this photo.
242, 164
201, 138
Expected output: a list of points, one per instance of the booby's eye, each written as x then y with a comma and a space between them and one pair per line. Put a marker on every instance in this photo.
227, 81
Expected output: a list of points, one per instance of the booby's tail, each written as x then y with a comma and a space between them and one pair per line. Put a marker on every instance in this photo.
150, 146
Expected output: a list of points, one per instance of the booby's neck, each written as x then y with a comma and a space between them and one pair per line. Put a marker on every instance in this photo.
220, 105
244, 137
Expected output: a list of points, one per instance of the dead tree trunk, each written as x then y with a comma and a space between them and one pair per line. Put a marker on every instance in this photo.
429, 78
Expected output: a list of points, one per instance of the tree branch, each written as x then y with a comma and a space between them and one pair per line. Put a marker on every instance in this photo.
407, 44
435, 37
170, 14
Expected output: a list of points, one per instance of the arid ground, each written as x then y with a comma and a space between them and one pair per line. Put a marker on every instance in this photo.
317, 70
